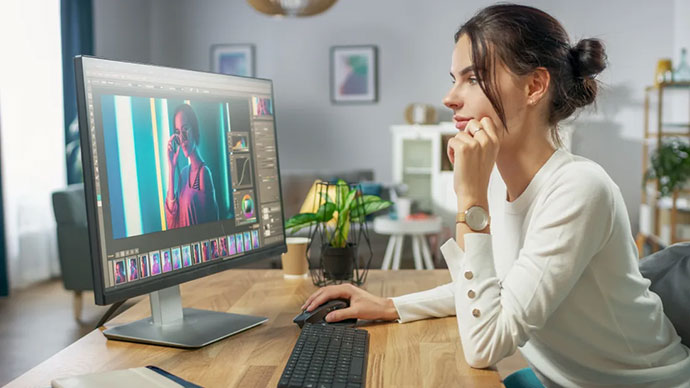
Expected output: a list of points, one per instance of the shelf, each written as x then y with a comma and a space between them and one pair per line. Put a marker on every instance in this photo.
652, 182
417, 170
675, 125
669, 85
666, 203
668, 134
654, 239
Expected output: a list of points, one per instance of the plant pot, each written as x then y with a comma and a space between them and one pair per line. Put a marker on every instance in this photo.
338, 263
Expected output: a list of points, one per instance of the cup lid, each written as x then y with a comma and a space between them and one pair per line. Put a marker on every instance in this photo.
297, 240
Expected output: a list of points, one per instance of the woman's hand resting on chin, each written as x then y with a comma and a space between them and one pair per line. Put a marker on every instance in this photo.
473, 153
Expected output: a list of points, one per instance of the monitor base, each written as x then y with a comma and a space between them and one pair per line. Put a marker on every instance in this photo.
197, 328
171, 325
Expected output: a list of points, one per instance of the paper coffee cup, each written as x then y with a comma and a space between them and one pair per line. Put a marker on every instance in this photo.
294, 261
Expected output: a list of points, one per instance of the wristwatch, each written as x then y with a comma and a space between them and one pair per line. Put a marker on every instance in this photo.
475, 217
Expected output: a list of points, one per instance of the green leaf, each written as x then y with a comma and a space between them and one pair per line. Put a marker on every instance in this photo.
348, 201
325, 212
670, 166
299, 221
364, 199
341, 190
360, 202
344, 219
369, 207
344, 232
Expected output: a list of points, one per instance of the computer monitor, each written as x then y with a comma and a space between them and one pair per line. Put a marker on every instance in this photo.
181, 181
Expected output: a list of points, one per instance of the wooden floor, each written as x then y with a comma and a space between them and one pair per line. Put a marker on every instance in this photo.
37, 322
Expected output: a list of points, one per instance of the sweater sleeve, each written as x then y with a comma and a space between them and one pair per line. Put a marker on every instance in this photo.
436, 302
570, 223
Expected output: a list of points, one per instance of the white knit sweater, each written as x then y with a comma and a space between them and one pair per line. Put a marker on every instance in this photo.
558, 277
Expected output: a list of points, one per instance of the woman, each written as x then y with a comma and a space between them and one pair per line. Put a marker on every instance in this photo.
194, 201
554, 270
120, 276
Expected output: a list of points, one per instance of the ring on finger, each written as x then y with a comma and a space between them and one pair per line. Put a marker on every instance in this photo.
477, 130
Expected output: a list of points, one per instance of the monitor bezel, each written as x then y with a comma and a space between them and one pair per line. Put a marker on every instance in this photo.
103, 296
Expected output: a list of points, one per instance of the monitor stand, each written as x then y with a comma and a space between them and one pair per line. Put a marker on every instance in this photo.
171, 325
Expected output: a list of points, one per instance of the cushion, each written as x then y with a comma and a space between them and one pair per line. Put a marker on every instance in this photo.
69, 205
524, 378
669, 272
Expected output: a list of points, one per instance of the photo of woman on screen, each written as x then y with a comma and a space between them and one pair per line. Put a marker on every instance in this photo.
193, 200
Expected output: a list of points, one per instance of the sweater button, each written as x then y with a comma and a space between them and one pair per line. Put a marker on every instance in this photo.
476, 313
469, 275
471, 294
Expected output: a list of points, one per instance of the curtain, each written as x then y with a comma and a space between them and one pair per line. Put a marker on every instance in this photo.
77, 39
4, 283
32, 140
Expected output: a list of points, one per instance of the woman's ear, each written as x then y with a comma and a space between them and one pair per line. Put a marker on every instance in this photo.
537, 85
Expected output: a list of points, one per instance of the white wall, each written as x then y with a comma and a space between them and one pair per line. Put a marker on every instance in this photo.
681, 24
415, 42
122, 29
32, 139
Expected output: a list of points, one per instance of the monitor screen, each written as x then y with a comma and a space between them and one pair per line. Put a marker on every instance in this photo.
181, 174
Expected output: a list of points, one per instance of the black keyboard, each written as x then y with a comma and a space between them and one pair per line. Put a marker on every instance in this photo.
327, 356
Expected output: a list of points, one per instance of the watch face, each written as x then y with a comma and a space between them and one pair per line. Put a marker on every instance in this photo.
477, 218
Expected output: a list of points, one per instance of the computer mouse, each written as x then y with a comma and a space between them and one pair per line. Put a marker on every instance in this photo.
318, 315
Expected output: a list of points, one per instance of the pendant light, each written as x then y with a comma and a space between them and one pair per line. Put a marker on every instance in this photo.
291, 8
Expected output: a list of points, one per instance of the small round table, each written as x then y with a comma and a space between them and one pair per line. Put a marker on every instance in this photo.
398, 229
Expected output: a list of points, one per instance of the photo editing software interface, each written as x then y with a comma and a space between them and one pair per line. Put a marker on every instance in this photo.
184, 166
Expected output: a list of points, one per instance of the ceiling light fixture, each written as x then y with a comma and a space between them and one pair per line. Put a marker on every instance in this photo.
292, 8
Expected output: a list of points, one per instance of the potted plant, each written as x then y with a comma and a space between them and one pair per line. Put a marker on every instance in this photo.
337, 206
670, 166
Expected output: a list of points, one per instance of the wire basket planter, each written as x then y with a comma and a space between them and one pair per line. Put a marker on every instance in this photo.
339, 250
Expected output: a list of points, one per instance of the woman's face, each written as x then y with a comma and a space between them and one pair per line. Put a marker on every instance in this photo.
467, 100
183, 130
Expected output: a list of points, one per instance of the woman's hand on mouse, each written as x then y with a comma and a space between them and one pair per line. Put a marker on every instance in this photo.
473, 153
363, 305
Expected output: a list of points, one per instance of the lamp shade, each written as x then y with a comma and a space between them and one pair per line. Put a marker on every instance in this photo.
291, 7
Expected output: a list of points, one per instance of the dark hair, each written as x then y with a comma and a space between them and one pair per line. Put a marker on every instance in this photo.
189, 112
525, 38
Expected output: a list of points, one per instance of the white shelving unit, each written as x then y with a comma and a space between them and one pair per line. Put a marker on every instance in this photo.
419, 161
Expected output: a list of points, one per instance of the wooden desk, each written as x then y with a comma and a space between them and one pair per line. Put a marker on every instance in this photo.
425, 353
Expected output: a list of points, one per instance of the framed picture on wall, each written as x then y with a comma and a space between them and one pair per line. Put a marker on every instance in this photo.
354, 74
233, 59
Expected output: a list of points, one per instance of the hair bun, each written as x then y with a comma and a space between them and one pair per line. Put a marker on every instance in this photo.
588, 58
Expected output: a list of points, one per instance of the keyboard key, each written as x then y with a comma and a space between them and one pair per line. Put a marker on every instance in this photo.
356, 366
